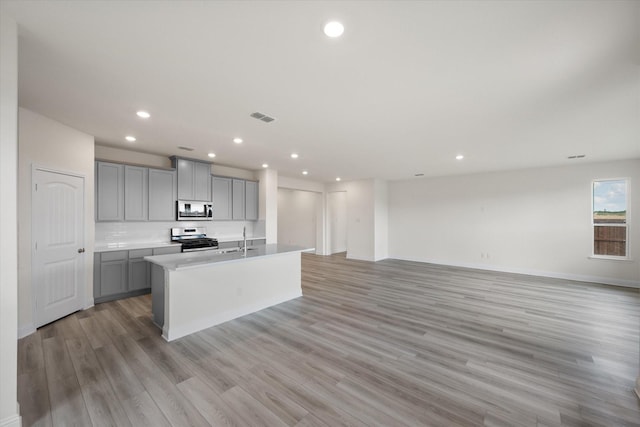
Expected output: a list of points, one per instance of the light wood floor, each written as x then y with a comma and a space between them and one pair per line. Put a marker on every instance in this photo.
390, 343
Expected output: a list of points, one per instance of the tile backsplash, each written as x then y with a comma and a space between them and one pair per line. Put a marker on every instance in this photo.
142, 232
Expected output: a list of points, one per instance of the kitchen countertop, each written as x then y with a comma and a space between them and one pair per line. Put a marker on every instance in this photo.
195, 259
128, 246
236, 238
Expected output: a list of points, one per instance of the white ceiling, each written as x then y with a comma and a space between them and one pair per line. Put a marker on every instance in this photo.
508, 84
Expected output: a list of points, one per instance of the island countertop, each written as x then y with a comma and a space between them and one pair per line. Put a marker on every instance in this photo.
186, 260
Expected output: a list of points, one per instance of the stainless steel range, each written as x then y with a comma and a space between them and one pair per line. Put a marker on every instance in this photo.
193, 239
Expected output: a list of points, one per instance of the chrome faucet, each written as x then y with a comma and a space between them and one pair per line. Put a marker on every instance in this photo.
244, 239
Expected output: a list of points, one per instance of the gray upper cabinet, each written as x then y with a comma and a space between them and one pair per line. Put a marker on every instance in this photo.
109, 192
194, 179
234, 199
238, 199
251, 200
186, 173
162, 195
135, 193
222, 198
202, 181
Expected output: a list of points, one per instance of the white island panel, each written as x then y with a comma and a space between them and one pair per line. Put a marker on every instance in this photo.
198, 298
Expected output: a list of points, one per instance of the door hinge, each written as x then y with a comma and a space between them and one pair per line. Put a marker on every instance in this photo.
36, 187
36, 246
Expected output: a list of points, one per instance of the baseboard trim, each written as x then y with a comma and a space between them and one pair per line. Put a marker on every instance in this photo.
25, 330
11, 421
530, 272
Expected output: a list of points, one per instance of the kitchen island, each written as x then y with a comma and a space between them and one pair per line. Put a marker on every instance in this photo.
196, 290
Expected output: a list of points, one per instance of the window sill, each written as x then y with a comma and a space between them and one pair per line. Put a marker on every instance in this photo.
611, 258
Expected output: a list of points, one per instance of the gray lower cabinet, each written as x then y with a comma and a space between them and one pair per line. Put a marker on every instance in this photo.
136, 198
229, 245
122, 274
109, 191
111, 274
139, 270
162, 195
238, 199
222, 198
251, 200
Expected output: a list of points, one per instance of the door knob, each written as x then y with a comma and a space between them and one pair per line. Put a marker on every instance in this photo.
81, 250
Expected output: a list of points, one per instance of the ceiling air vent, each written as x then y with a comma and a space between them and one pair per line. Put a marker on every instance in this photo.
262, 117
186, 148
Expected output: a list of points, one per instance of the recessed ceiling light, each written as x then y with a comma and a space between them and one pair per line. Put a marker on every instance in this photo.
459, 157
143, 114
333, 29
305, 172
294, 155
265, 165
338, 179
130, 138
237, 140
212, 155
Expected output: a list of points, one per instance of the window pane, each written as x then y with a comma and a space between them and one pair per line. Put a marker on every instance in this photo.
610, 202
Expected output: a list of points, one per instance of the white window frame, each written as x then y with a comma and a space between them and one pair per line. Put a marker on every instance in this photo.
627, 255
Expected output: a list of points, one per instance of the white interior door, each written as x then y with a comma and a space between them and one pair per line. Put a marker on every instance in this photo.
337, 221
58, 245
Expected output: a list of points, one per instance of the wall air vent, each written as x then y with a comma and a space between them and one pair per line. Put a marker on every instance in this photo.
263, 117
186, 148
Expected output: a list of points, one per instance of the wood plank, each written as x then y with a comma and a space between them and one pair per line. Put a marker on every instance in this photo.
385, 343
174, 406
249, 410
122, 379
101, 401
212, 407
30, 352
143, 411
65, 394
33, 395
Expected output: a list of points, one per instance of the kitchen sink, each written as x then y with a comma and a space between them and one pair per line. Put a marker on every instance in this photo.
231, 250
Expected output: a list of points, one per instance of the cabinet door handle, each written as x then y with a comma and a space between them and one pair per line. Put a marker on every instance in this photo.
81, 250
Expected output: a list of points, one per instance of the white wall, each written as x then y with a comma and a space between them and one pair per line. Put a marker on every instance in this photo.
300, 184
112, 154
47, 143
535, 221
268, 203
9, 408
321, 237
366, 216
381, 216
299, 217
336, 222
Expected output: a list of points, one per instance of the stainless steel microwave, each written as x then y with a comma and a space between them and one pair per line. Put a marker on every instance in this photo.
194, 211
